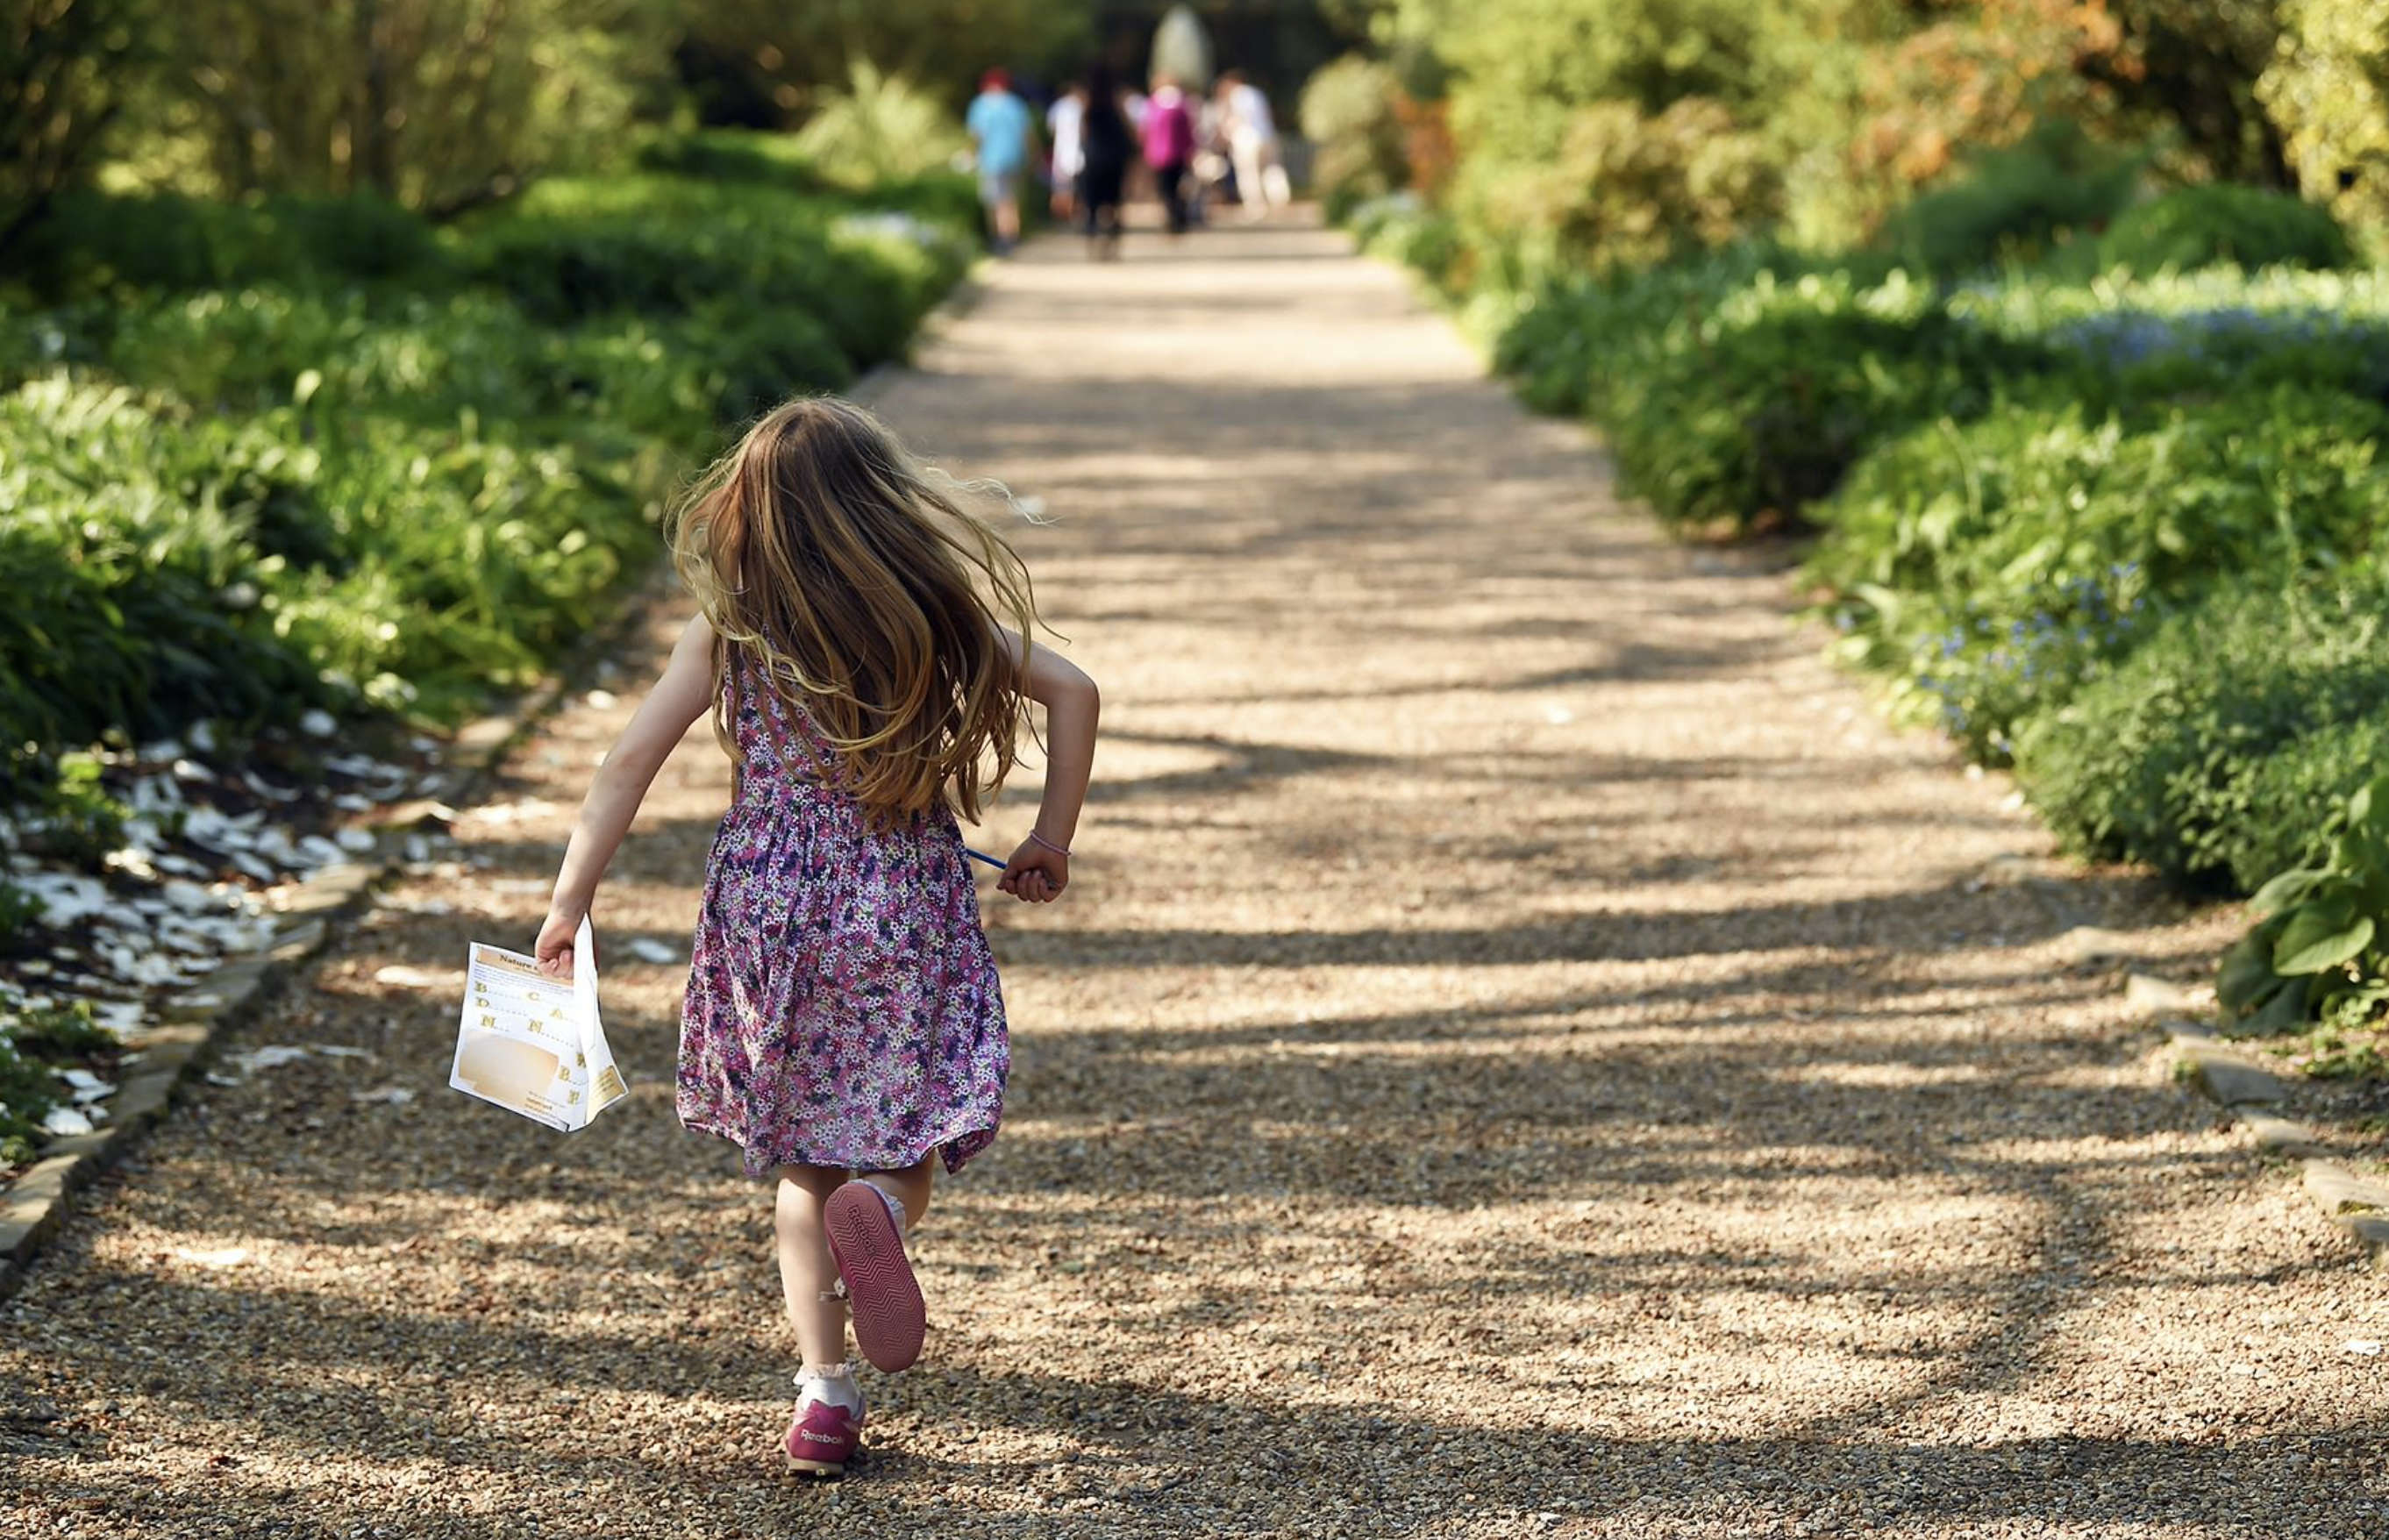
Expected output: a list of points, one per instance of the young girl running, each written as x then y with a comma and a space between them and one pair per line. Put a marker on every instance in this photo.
864, 645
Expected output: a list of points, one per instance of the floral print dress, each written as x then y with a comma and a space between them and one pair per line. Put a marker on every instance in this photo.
842, 1008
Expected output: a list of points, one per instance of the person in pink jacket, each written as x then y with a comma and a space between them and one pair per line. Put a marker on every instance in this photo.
1169, 148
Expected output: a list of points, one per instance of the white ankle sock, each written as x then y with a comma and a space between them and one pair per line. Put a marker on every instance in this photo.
895, 1204
832, 1385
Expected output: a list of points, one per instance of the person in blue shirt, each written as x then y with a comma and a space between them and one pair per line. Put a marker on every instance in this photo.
999, 124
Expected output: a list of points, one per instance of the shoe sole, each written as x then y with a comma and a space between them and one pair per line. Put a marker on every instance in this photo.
890, 1318
821, 1469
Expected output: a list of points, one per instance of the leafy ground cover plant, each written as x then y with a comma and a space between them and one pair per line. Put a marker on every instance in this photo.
2321, 948
35, 1056
1992, 569
2221, 749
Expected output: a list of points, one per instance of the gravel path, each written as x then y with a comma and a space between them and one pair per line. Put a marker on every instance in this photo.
1529, 1055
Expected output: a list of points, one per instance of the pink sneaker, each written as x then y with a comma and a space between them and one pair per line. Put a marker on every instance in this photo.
890, 1318
823, 1438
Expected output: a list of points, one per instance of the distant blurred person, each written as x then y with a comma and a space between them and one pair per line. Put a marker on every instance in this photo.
1106, 144
1211, 168
1251, 128
1064, 124
1169, 148
999, 123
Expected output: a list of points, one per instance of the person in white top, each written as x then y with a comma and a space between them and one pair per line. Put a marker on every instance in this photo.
1063, 124
1252, 141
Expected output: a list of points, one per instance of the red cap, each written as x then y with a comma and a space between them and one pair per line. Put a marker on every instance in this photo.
996, 79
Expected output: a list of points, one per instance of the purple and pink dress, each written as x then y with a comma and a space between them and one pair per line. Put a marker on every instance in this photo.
843, 1009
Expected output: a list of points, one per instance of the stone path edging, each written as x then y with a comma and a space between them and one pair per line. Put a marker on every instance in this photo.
2249, 1092
34, 1206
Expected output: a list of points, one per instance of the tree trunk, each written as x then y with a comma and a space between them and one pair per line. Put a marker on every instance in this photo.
373, 162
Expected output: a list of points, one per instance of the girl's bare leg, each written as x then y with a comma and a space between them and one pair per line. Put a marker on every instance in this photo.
910, 1187
808, 1275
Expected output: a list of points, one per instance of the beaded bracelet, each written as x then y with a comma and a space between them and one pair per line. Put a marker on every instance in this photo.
1057, 849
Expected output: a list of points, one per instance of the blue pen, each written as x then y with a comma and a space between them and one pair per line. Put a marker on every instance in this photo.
983, 856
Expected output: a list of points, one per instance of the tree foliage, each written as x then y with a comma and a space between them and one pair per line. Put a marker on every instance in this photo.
2329, 89
430, 103
764, 63
1608, 130
62, 66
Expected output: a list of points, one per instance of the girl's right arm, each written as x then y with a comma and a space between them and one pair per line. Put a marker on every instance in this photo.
1039, 868
683, 695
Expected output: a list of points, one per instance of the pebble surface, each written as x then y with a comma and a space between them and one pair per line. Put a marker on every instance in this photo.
1528, 1053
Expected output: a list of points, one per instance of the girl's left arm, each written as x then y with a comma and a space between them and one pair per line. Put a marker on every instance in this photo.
1039, 868
681, 696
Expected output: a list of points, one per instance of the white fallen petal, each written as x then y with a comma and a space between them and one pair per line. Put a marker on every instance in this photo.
350, 802
228, 838
271, 1056
601, 700
191, 898
2363, 1347
394, 1096
120, 1016
342, 1050
66, 1122
318, 723
191, 770
153, 795
354, 839
203, 737
180, 866
648, 950
318, 851
418, 849
65, 896
255, 868
268, 791
134, 861
83, 1080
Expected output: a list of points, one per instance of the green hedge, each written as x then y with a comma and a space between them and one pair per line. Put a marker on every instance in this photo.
93, 243
2219, 223
1737, 391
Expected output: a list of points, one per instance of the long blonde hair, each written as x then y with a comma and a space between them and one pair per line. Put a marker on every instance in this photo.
852, 582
